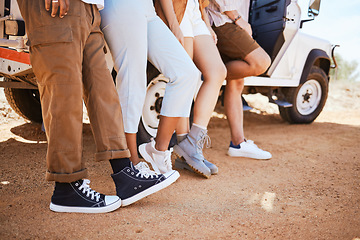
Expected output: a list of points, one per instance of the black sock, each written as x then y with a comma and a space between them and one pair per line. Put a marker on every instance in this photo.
119, 164
64, 187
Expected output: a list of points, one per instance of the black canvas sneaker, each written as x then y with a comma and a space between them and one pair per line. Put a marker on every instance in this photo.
79, 197
133, 184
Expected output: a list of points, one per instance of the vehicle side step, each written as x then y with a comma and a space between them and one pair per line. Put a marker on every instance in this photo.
246, 106
282, 103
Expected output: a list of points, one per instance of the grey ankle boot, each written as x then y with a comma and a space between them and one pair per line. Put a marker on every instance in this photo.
191, 150
180, 163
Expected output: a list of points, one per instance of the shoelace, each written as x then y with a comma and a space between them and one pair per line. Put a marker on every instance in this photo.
251, 142
204, 140
145, 171
86, 189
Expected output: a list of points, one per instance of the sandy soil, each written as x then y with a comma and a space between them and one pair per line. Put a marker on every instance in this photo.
309, 190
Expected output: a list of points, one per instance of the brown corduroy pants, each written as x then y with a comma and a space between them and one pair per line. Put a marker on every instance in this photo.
69, 62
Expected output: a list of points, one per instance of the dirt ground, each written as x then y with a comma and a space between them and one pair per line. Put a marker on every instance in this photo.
310, 189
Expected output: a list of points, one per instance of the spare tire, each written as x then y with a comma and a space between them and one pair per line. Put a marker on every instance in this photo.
25, 102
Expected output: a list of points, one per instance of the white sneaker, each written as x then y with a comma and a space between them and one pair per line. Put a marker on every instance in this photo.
144, 167
160, 161
248, 149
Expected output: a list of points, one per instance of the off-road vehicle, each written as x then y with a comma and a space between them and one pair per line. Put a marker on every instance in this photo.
297, 80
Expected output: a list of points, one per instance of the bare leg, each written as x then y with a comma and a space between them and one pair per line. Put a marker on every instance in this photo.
208, 60
132, 145
165, 131
255, 63
182, 126
234, 109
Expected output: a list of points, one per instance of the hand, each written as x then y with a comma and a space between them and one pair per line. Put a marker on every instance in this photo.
178, 34
63, 5
244, 25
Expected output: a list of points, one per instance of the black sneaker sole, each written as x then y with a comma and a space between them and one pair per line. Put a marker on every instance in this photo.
104, 209
157, 187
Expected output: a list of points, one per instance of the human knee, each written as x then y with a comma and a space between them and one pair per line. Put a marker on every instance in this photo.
260, 65
217, 74
222, 72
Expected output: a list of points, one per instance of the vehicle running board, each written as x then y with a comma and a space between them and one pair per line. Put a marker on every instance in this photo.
281, 103
246, 106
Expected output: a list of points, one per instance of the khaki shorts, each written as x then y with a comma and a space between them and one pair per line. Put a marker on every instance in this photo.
234, 42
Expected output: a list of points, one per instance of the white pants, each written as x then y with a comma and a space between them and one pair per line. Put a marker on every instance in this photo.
136, 34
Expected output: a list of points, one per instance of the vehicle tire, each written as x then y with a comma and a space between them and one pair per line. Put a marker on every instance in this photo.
25, 102
308, 99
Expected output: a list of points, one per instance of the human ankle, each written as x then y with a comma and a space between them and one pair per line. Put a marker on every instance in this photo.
180, 137
199, 126
159, 148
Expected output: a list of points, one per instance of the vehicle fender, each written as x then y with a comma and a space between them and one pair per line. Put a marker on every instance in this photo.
318, 58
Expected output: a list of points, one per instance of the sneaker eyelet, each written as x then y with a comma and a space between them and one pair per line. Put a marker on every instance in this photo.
128, 170
132, 173
135, 188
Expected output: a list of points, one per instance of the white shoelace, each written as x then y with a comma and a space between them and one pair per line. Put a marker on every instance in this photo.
86, 189
145, 171
251, 142
204, 140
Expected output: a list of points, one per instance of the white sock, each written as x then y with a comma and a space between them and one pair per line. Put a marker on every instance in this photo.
199, 126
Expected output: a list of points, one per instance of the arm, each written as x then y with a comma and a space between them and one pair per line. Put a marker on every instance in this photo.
234, 15
63, 5
228, 8
168, 9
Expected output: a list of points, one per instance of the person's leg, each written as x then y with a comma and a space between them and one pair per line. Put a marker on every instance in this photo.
128, 46
165, 130
208, 60
239, 146
101, 99
234, 109
248, 58
255, 63
56, 56
182, 128
167, 54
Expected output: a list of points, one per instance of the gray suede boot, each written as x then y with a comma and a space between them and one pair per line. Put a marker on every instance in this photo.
191, 150
180, 163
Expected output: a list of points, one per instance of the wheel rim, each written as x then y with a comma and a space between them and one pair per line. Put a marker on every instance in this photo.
152, 105
308, 97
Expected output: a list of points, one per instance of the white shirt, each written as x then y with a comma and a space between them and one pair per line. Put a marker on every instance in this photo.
217, 8
99, 3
